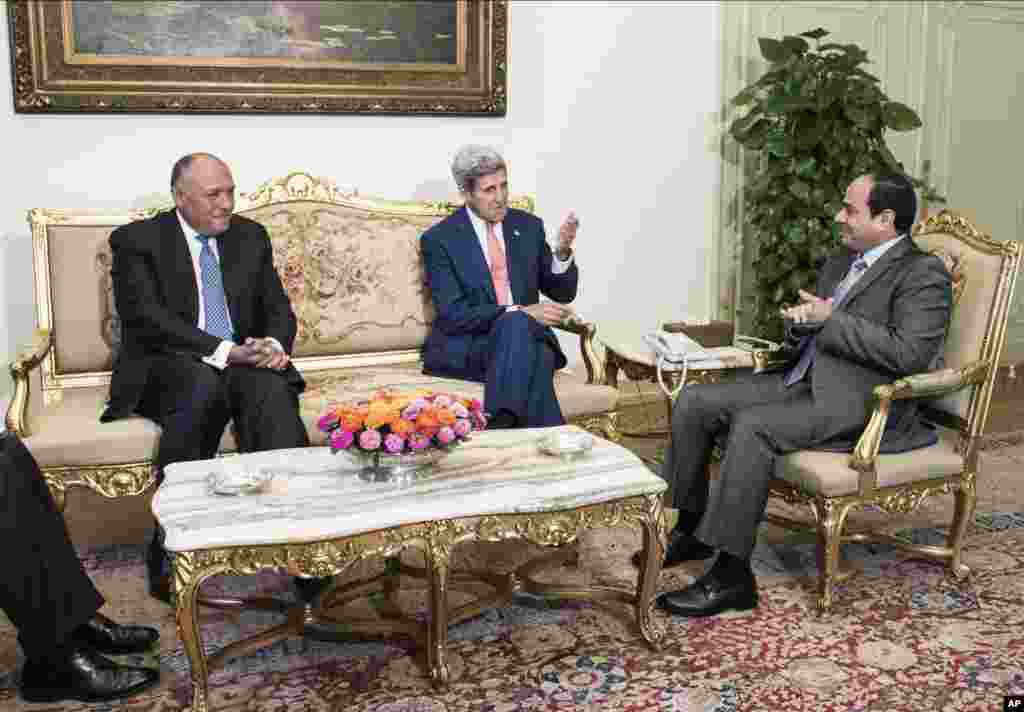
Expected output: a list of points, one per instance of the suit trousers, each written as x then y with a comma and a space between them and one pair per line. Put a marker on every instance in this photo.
193, 402
44, 589
518, 370
760, 418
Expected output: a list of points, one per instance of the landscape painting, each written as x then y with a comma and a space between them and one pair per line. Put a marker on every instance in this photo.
253, 56
361, 31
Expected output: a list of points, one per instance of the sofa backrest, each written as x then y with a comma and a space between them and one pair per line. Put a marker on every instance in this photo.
351, 266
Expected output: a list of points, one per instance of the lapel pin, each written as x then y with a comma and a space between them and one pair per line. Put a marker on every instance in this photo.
515, 233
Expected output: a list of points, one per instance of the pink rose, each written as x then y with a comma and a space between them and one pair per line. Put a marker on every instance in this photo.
445, 435
475, 405
394, 443
369, 439
462, 427
418, 441
340, 440
328, 421
460, 410
442, 401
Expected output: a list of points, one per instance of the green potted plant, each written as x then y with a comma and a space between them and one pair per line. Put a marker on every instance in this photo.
812, 123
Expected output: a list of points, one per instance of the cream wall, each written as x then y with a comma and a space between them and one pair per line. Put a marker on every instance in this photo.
609, 115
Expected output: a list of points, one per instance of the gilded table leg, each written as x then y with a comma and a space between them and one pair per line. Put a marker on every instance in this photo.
187, 583
438, 550
650, 567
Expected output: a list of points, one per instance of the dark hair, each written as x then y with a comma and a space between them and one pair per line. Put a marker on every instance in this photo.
895, 192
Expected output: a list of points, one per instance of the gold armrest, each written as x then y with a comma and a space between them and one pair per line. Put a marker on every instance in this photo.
768, 360
27, 359
586, 331
921, 385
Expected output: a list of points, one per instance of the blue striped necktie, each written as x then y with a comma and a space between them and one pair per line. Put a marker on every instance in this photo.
218, 322
803, 365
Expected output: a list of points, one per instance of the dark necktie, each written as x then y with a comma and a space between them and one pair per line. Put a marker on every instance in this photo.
803, 364
218, 323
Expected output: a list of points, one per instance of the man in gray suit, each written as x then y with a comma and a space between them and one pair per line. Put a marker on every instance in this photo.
879, 312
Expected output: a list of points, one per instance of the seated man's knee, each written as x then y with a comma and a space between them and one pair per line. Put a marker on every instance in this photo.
207, 388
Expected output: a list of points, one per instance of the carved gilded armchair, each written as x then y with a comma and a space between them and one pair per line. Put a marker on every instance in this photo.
955, 398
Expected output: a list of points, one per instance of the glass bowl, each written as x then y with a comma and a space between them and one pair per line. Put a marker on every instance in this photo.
238, 481
568, 446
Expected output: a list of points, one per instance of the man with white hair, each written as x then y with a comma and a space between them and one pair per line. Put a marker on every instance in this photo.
487, 265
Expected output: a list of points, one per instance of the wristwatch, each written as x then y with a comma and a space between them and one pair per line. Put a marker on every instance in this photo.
512, 307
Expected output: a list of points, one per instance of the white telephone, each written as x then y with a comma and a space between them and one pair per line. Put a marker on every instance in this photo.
675, 348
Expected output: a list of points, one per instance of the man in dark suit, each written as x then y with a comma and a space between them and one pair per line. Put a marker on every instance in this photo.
487, 265
206, 329
51, 601
880, 312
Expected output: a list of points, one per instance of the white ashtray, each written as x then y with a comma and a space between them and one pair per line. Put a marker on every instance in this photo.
241, 482
566, 445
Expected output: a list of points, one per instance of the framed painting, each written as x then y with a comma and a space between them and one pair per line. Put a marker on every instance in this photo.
260, 56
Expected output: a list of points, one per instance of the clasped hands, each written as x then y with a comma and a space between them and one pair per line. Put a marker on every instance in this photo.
258, 353
811, 310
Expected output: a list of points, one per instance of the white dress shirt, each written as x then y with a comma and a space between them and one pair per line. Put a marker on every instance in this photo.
480, 227
219, 358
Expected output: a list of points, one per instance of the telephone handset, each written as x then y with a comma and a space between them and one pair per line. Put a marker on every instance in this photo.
676, 351
675, 348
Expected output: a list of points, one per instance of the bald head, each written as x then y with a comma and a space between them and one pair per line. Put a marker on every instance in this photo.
204, 192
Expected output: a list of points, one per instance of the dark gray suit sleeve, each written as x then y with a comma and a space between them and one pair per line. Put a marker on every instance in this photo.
909, 341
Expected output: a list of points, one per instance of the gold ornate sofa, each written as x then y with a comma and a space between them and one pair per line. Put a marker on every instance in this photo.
352, 268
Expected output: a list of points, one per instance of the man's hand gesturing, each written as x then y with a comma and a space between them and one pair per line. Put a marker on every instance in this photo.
812, 309
567, 236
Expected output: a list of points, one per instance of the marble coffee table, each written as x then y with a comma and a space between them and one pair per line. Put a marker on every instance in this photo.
321, 517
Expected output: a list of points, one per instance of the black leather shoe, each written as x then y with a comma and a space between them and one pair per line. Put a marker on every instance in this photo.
681, 547
710, 595
84, 675
106, 636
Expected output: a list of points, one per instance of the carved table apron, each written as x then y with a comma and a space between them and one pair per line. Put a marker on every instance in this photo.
320, 518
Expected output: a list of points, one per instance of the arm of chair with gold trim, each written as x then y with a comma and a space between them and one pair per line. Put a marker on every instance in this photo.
586, 331
922, 385
26, 360
768, 360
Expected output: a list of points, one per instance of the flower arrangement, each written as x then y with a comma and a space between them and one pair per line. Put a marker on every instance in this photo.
399, 424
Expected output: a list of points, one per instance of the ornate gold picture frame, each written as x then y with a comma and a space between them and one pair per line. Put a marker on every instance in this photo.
259, 56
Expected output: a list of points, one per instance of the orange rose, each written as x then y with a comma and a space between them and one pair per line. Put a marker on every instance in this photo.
445, 416
351, 421
380, 417
402, 427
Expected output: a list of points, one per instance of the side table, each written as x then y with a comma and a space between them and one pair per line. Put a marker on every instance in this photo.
634, 358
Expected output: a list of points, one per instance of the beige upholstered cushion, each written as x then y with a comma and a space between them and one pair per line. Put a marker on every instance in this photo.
70, 433
829, 473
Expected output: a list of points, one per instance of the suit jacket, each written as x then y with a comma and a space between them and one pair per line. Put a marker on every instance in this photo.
157, 299
891, 323
463, 292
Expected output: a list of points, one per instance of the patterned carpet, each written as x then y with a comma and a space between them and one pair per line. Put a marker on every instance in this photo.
902, 637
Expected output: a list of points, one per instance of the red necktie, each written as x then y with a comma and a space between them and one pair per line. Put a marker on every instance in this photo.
499, 268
